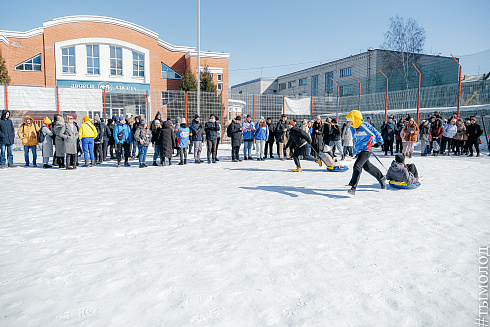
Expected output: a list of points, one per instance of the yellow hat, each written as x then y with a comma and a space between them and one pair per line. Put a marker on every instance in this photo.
47, 121
355, 117
86, 118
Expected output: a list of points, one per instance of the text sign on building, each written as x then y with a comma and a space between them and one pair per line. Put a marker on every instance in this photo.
110, 87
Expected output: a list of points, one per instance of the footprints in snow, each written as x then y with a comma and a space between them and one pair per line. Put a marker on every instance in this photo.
82, 312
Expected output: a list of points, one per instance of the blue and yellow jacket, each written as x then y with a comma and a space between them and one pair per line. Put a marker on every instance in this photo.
364, 135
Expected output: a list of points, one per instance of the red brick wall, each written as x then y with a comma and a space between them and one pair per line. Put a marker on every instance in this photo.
14, 55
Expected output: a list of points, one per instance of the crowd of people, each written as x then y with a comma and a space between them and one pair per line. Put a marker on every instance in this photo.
438, 136
63, 141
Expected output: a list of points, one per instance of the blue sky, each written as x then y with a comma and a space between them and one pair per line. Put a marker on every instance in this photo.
277, 33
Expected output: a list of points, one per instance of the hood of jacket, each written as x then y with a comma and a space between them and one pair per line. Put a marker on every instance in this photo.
158, 114
4, 113
356, 117
167, 124
28, 118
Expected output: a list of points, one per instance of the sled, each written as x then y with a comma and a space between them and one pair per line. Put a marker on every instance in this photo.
403, 185
338, 168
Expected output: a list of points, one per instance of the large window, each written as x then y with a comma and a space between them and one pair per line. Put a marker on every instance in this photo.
303, 81
93, 65
138, 64
68, 59
282, 86
33, 64
116, 60
168, 73
328, 83
345, 72
314, 86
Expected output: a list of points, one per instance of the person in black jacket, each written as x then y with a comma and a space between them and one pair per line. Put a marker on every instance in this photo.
111, 123
7, 137
196, 138
270, 141
300, 139
326, 131
234, 131
317, 135
211, 128
166, 142
136, 125
388, 134
474, 132
281, 138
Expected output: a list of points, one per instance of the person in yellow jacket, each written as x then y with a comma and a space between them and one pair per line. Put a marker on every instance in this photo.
28, 134
87, 134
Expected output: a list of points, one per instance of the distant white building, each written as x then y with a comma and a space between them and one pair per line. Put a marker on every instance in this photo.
256, 86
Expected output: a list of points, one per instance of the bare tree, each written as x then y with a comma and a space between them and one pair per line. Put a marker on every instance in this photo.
406, 41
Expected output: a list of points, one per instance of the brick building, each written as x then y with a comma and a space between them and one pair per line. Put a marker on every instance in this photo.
94, 52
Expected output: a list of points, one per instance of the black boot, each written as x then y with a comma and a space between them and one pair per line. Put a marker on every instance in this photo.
86, 163
352, 191
181, 163
155, 163
185, 161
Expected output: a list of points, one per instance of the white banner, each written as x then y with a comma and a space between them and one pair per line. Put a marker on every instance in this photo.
81, 99
297, 106
31, 98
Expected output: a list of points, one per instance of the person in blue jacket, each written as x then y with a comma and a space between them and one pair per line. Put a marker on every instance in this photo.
248, 133
183, 141
122, 137
261, 136
365, 137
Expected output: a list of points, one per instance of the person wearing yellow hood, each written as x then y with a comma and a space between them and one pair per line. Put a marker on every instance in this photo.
87, 134
28, 134
365, 137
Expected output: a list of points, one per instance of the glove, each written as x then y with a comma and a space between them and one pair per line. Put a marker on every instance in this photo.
377, 144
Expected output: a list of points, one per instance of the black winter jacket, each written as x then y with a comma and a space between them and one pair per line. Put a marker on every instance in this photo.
473, 131
236, 133
7, 132
335, 133
388, 131
280, 131
166, 140
298, 137
212, 129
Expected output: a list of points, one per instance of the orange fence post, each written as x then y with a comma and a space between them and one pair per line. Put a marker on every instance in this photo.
186, 107
105, 110
6, 98
147, 109
337, 98
253, 107
359, 92
418, 97
58, 101
221, 100
459, 82
386, 105
283, 104
311, 105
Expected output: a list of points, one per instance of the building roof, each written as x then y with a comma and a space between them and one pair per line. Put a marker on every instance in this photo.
4, 35
265, 79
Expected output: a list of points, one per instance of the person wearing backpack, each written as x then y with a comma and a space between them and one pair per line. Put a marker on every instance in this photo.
7, 137
122, 137
45, 138
87, 134
28, 134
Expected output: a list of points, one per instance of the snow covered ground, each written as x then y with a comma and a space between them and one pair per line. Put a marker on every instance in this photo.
241, 244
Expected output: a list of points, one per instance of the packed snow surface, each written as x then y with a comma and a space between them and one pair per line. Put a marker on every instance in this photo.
241, 244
